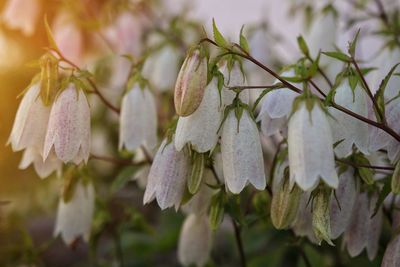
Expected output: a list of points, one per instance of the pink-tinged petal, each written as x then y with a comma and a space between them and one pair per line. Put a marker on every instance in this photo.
167, 177
242, 156
22, 116
392, 253
21, 14
357, 233
342, 205
69, 126
68, 37
374, 228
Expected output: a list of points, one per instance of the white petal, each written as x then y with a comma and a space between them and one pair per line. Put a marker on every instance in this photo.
21, 117
42, 168
74, 218
195, 241
344, 126
242, 156
392, 253
374, 228
310, 148
138, 120
233, 78
200, 129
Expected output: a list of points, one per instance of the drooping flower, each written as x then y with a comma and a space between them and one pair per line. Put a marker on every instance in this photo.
276, 107
345, 128
200, 129
68, 37
42, 168
190, 84
321, 219
242, 156
68, 130
364, 229
167, 177
195, 241
310, 144
161, 68
341, 208
138, 120
22, 15
74, 216
30, 123
302, 226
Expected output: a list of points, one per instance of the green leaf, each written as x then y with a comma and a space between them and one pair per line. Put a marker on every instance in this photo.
303, 45
366, 174
382, 195
218, 37
353, 44
196, 176
243, 41
380, 94
217, 210
338, 55
123, 178
50, 37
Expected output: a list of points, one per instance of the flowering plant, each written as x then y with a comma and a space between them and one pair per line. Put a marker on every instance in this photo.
307, 155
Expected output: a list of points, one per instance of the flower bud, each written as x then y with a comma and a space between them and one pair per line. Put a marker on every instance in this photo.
396, 179
321, 219
285, 204
48, 78
190, 85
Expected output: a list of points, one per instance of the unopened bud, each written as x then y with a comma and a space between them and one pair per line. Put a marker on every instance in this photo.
190, 85
48, 78
396, 179
285, 204
321, 216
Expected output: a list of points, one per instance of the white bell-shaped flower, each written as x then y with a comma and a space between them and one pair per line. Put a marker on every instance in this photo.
242, 156
162, 67
200, 128
30, 123
42, 168
74, 217
22, 15
138, 120
195, 241
345, 128
68, 130
276, 107
364, 230
167, 177
310, 144
341, 208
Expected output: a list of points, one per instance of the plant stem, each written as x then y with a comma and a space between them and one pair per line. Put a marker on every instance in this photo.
91, 82
274, 86
239, 243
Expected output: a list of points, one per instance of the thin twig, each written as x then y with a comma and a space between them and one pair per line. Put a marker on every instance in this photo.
290, 86
239, 243
356, 165
118, 161
91, 82
244, 87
